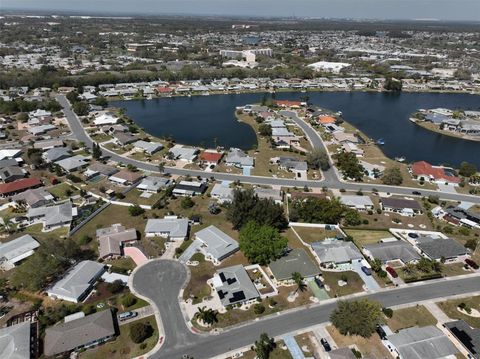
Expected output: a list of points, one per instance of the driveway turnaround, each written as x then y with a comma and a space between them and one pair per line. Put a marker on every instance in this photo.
161, 281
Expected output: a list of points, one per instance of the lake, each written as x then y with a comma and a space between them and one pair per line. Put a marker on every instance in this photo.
206, 120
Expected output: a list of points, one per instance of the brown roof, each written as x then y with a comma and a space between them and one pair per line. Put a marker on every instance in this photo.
128, 175
19, 185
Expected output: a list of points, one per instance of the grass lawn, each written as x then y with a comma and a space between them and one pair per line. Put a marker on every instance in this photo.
133, 196
59, 190
123, 346
310, 235
450, 308
451, 270
370, 347
410, 317
36, 231
121, 265
354, 283
363, 237
197, 288
305, 343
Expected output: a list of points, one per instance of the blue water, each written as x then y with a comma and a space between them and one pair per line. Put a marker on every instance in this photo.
199, 120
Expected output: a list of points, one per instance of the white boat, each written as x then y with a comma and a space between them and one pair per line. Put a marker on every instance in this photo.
400, 159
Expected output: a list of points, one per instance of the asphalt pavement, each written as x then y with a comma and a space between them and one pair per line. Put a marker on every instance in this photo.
330, 178
162, 280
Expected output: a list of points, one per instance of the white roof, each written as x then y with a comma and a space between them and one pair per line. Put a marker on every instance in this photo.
9, 153
105, 119
356, 201
175, 227
219, 244
15, 341
17, 247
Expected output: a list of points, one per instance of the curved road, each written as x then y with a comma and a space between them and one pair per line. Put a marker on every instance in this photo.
161, 281
331, 180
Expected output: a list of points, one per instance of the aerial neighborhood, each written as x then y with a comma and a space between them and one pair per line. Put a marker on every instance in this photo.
227, 190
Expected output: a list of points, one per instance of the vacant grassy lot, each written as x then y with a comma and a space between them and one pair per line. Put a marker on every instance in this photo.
410, 317
363, 237
450, 308
370, 347
354, 283
310, 235
123, 346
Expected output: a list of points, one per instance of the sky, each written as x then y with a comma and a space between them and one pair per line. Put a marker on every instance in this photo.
357, 9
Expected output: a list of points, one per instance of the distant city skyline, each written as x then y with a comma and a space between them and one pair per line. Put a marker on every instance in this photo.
455, 10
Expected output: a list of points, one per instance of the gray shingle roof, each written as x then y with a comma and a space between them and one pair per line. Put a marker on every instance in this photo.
17, 247
79, 280
233, 285
388, 251
15, 341
336, 251
400, 203
65, 337
437, 248
53, 215
72, 163
297, 260
468, 336
422, 343
219, 245
175, 227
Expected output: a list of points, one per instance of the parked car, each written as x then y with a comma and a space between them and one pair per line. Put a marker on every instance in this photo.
417, 193
127, 315
325, 345
366, 270
319, 282
392, 272
471, 263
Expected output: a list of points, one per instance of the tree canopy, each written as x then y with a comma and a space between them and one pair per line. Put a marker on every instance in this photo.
348, 163
392, 176
261, 243
318, 159
264, 346
467, 169
357, 317
317, 210
246, 206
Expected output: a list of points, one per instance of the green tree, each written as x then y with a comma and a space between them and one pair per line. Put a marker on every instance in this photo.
208, 316
261, 243
298, 279
357, 317
246, 206
22, 117
318, 159
264, 129
115, 287
376, 265
392, 84
392, 176
467, 169
264, 346
96, 151
128, 300
348, 163
135, 210
258, 308
140, 331
317, 210
352, 217
187, 202
81, 108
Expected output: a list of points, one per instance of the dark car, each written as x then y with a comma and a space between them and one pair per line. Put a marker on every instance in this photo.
392, 272
366, 270
417, 193
471, 263
319, 282
325, 345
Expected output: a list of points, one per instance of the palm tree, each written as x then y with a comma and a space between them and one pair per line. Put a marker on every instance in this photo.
409, 268
298, 279
208, 316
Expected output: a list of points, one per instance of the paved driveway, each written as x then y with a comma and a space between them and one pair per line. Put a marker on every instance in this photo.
369, 281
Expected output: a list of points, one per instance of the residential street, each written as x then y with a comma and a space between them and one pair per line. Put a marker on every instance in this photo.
162, 280
330, 177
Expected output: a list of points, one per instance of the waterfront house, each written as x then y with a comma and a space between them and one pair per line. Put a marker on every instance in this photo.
238, 158
183, 153
148, 147
424, 170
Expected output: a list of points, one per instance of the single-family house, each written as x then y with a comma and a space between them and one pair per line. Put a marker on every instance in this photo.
111, 240
74, 163
125, 177
238, 158
215, 244
124, 138
153, 184
402, 206
421, 343
438, 248
222, 193
295, 260
148, 147
12, 173
183, 153
33, 198
333, 251
52, 216
82, 333
170, 227
189, 188
76, 285
211, 157
291, 164
18, 186
431, 173
16, 250
56, 154
469, 337
360, 203
234, 286
96, 169
16, 342
105, 118
276, 195
390, 251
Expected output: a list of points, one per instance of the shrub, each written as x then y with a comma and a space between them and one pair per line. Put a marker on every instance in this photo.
187, 202
128, 300
258, 309
140, 331
135, 210
85, 239
388, 312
